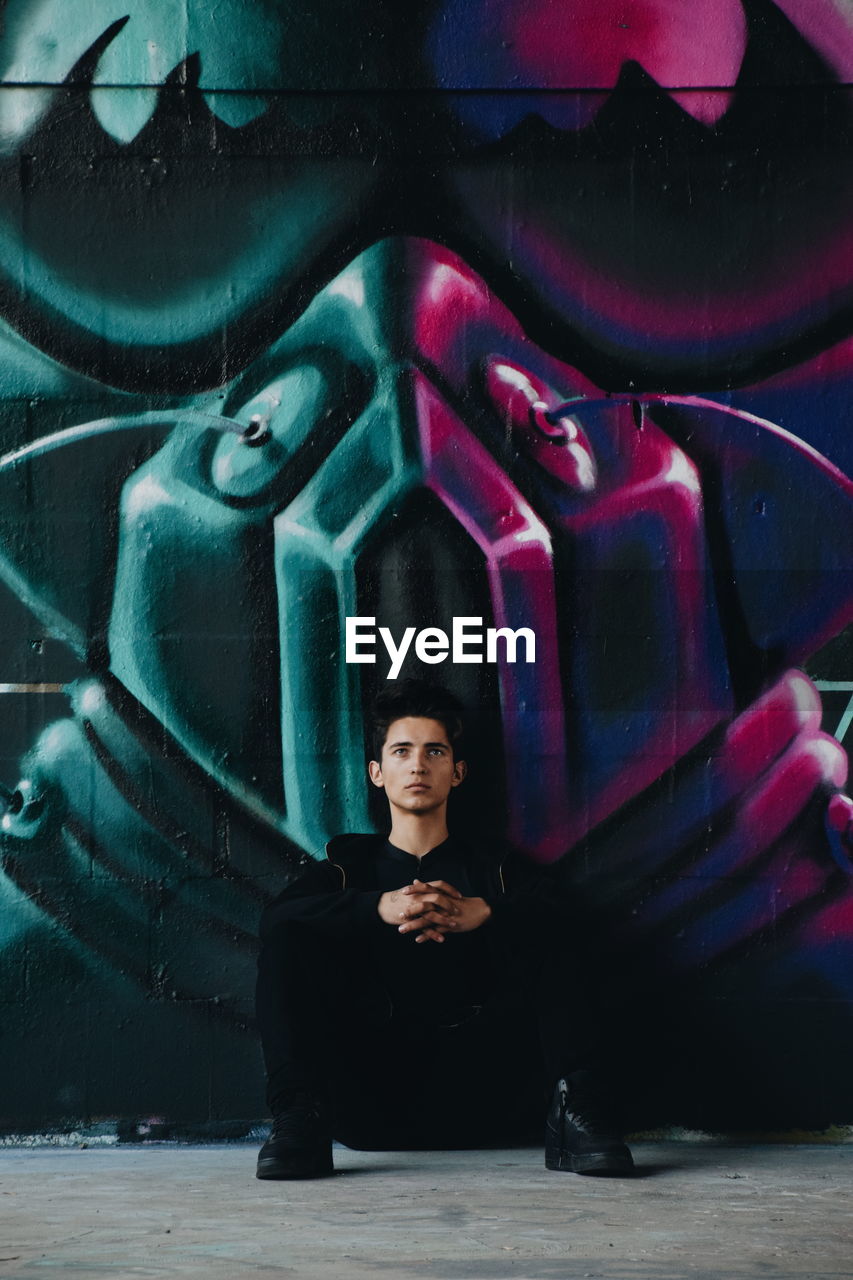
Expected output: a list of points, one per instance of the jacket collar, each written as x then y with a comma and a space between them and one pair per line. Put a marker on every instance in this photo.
344, 849
353, 853
351, 848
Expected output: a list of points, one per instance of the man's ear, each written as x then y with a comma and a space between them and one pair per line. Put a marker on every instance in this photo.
460, 771
374, 768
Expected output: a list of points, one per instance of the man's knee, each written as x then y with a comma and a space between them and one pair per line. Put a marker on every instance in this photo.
307, 962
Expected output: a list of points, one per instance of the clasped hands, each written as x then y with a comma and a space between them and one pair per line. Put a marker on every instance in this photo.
432, 909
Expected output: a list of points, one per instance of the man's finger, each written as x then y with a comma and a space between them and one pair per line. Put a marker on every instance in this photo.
420, 906
444, 887
442, 901
431, 886
437, 918
426, 894
440, 886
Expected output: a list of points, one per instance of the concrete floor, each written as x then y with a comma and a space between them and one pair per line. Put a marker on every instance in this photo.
694, 1209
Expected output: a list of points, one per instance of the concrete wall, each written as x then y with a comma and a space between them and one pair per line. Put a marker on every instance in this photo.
537, 313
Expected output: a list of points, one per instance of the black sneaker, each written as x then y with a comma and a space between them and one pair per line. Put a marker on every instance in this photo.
577, 1136
300, 1145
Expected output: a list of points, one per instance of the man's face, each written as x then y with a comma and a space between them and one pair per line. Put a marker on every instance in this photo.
417, 768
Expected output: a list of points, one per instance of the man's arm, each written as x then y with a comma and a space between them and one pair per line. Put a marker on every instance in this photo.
316, 898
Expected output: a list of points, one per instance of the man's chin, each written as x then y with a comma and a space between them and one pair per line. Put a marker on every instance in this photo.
419, 801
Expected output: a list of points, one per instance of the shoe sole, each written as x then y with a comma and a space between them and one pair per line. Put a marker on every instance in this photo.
293, 1170
594, 1162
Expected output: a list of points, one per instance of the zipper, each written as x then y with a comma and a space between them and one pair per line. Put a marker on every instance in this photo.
343, 873
339, 867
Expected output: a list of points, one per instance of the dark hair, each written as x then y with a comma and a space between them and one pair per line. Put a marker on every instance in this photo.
416, 698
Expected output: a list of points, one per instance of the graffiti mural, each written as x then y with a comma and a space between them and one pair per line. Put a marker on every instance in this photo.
536, 312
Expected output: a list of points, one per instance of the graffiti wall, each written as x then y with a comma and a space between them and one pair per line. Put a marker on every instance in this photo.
537, 313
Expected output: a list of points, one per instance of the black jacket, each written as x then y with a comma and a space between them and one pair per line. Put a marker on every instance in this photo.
340, 895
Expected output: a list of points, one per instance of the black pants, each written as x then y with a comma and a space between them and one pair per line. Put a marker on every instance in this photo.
400, 1064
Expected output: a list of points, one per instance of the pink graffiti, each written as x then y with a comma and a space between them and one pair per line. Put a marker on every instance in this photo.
828, 26
774, 756
584, 44
519, 566
784, 300
460, 329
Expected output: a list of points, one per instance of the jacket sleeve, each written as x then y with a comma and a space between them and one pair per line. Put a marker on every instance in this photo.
528, 893
317, 898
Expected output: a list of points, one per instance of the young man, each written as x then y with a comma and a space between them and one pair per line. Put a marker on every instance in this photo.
415, 991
